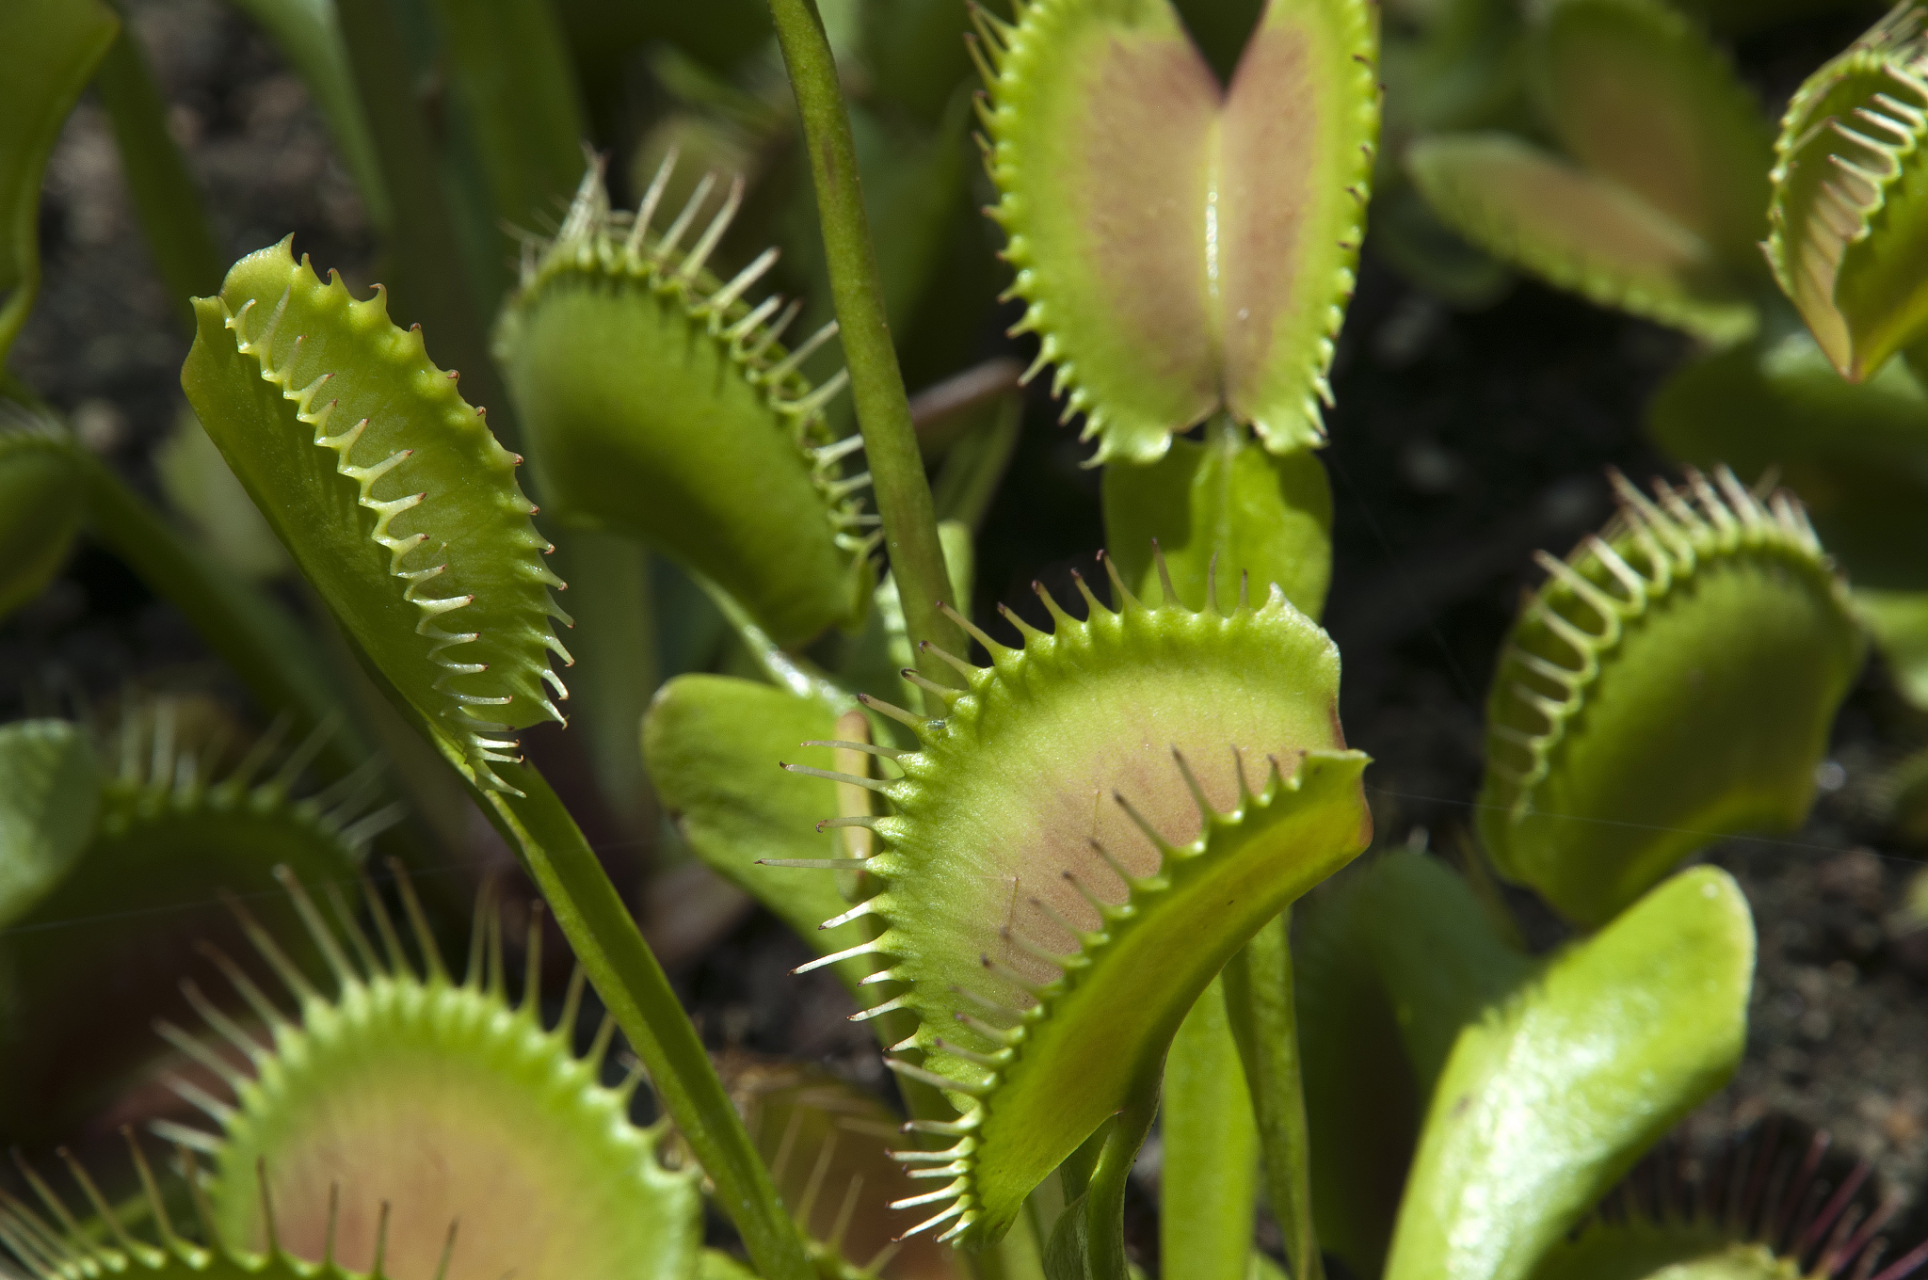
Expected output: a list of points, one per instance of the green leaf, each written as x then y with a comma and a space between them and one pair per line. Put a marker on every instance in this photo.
1855, 453
1392, 961
1260, 1000
1640, 98
1546, 1101
713, 745
48, 50
1208, 1174
49, 796
1848, 237
1183, 247
390, 492
1043, 919
658, 405
1663, 691
1225, 509
1578, 231
40, 507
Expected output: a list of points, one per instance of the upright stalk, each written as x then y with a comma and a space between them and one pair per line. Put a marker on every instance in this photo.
171, 214
1089, 1241
876, 382
1208, 1175
632, 984
1265, 1022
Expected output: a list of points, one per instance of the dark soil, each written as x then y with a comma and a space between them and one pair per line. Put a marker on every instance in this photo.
1461, 443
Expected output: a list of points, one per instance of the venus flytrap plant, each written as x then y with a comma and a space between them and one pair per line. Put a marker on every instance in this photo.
410, 1100
399, 567
148, 824
1055, 887
1657, 204
1648, 649
1846, 218
622, 349
1020, 970
1172, 257
399, 1121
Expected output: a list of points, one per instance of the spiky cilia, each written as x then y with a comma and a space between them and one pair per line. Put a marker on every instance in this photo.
1670, 684
660, 403
1776, 1202
406, 1087
1848, 224
162, 829
53, 1245
1076, 848
1181, 246
390, 492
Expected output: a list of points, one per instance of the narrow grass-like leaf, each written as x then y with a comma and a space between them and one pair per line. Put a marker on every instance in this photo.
1208, 1172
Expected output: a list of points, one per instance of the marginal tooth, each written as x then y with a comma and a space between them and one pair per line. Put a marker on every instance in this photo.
831, 775
792, 362
714, 233
646, 212
673, 236
912, 1071
810, 405
724, 298
747, 325
932, 1197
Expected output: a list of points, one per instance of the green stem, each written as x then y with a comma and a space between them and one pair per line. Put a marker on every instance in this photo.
165, 197
637, 993
1259, 999
433, 288
876, 383
1208, 1177
1089, 1241
797, 675
252, 634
